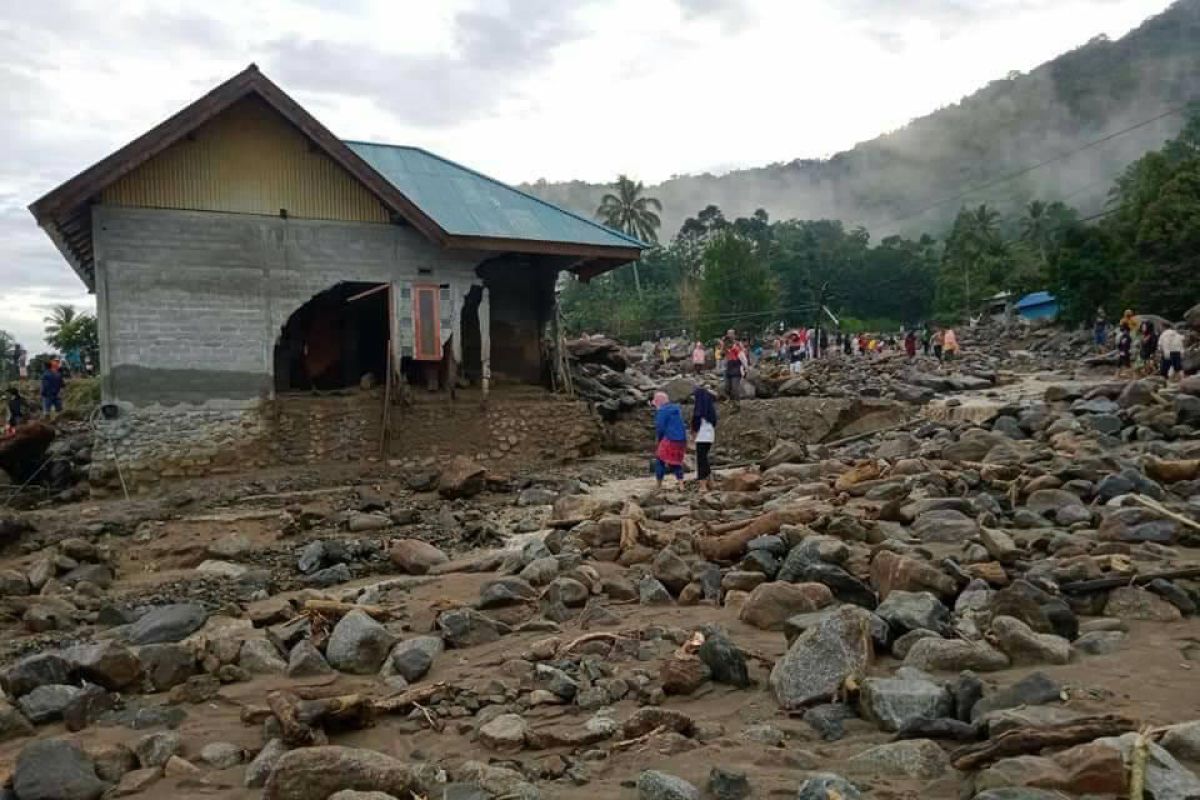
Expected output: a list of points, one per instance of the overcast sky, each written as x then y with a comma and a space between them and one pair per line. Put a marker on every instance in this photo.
524, 89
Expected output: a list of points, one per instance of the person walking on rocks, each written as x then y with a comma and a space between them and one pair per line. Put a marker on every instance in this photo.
938, 344
1149, 346
950, 344
735, 367
1124, 350
671, 438
1100, 331
1170, 345
699, 355
910, 345
52, 384
15, 410
704, 429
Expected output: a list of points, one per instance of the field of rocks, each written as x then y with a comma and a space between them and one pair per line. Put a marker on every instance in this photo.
994, 597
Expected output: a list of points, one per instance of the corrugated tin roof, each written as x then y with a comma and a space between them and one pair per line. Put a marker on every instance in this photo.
1035, 299
464, 202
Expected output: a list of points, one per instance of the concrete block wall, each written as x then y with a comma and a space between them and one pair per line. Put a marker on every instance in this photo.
191, 303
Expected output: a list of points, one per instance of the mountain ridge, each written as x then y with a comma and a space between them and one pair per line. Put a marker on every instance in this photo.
1085, 94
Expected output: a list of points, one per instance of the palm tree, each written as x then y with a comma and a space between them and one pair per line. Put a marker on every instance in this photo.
61, 321
631, 213
1035, 228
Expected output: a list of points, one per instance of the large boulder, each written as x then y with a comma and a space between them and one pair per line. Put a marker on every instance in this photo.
171, 623
55, 769
314, 773
105, 663
358, 644
915, 758
910, 611
416, 557
892, 703
770, 604
820, 660
954, 655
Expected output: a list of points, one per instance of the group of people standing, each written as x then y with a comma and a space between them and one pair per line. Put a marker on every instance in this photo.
16, 410
1160, 352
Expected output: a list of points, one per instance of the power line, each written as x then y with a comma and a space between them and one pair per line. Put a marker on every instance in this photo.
1026, 170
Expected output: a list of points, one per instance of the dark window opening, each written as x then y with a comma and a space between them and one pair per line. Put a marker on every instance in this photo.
329, 343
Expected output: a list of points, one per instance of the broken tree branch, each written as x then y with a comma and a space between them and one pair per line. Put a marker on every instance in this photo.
1160, 509
1102, 584
1022, 741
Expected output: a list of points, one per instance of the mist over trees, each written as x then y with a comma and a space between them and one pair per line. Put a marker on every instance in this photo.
750, 273
888, 184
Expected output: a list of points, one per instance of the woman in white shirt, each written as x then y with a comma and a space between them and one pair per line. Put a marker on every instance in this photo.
704, 428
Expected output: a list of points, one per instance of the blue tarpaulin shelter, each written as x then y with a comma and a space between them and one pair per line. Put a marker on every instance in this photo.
1038, 305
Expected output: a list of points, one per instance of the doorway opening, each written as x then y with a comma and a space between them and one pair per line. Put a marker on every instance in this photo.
471, 368
335, 340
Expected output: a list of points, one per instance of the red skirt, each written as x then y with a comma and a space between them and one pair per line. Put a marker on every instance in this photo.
671, 453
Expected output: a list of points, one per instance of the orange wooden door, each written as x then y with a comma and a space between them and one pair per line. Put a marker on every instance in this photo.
427, 323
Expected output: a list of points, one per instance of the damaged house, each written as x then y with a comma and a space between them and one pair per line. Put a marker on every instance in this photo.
255, 277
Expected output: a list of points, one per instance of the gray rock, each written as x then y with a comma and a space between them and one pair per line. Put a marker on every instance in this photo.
13, 724
221, 755
670, 570
37, 670
1166, 778
330, 576
945, 525
155, 749
106, 664
1183, 740
556, 681
1025, 646
47, 703
651, 592
818, 662
893, 703
311, 557
166, 665
955, 655
168, 624
258, 770
728, 784
314, 773
828, 786
358, 644
914, 758
55, 769
306, 660
466, 627
505, 733
259, 657
655, 785
909, 611
1099, 643
1033, 689
724, 660
505, 592
412, 658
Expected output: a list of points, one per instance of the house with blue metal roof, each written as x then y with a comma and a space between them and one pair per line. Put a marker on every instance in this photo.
240, 252
1037, 305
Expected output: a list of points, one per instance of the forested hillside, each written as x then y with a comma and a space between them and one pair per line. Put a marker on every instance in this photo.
888, 184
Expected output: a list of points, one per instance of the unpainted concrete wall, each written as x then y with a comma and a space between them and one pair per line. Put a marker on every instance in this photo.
192, 303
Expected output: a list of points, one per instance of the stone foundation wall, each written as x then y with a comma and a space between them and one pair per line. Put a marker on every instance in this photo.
156, 444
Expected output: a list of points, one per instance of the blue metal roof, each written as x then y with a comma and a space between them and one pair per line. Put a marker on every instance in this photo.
1036, 299
464, 202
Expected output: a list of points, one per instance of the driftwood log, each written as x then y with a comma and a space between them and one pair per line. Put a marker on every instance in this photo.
304, 713
335, 610
1025, 741
732, 545
1104, 584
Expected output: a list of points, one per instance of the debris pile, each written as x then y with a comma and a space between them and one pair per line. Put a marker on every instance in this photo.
914, 613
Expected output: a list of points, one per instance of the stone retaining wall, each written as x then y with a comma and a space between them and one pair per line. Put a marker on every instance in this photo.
155, 444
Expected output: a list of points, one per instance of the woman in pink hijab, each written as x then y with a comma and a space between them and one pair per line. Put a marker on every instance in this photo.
671, 435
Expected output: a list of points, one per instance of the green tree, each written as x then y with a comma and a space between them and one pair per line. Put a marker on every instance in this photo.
738, 290
629, 211
67, 330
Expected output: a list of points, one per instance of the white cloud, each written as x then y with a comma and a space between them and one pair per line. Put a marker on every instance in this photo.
521, 89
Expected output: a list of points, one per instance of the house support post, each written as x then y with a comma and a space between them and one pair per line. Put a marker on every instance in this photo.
485, 342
